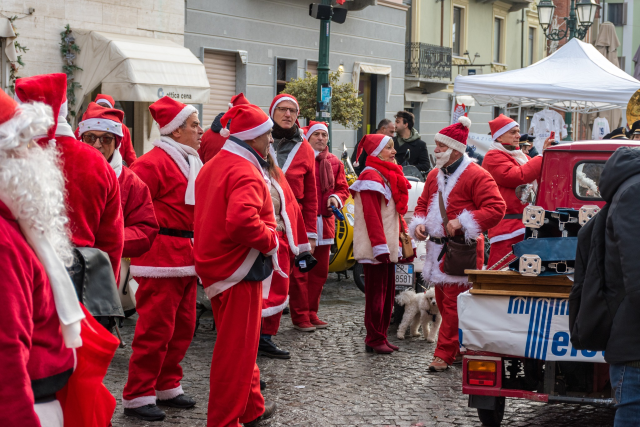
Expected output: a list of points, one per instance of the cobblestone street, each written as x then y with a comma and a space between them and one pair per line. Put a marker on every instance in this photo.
331, 381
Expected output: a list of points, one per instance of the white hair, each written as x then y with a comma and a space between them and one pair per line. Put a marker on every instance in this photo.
31, 177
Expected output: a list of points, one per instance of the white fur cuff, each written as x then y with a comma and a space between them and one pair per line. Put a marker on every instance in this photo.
305, 247
169, 394
139, 401
416, 221
312, 236
471, 228
380, 249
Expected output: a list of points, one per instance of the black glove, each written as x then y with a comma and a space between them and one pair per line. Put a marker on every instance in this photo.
305, 262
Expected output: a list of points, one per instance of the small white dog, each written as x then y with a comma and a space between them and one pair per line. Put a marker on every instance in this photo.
419, 310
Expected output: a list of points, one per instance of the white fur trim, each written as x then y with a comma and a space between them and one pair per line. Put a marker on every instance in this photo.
270, 311
105, 125
469, 225
305, 247
432, 271
177, 157
284, 98
312, 236
105, 101
335, 196
380, 250
285, 217
450, 142
502, 237
320, 226
221, 286
290, 157
415, 222
504, 129
365, 184
64, 109
379, 148
178, 120
139, 401
316, 127
169, 394
325, 242
255, 132
157, 272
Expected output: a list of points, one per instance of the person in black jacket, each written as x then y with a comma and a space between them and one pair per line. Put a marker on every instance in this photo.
407, 138
620, 188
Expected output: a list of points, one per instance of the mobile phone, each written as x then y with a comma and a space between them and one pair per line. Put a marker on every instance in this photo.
553, 135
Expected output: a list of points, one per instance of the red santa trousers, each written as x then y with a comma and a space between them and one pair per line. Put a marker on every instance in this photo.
271, 324
500, 249
379, 290
448, 345
167, 319
306, 288
234, 394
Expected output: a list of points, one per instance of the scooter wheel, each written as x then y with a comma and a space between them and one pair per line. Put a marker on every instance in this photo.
358, 275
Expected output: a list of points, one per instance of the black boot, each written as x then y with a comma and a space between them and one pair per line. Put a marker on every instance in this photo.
181, 401
147, 413
269, 349
269, 410
263, 385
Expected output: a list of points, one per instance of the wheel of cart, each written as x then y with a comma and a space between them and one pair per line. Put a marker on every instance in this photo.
492, 417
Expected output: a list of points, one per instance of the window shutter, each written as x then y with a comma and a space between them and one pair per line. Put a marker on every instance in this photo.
221, 72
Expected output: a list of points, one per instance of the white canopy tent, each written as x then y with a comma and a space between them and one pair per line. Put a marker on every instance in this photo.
576, 78
143, 69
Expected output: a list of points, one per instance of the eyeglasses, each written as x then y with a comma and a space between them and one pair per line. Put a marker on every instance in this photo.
104, 139
284, 110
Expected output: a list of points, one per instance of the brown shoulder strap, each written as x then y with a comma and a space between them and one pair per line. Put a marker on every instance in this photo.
443, 212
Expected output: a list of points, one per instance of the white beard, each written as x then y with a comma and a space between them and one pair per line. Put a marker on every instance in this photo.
443, 158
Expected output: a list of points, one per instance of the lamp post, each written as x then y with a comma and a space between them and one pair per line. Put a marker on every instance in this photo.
581, 16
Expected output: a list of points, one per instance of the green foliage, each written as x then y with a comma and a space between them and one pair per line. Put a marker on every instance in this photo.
69, 50
14, 66
346, 107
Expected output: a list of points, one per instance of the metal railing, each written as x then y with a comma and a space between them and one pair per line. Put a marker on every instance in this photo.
427, 61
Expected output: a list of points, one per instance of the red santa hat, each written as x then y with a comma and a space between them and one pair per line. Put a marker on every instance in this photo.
455, 136
314, 126
501, 125
238, 99
105, 99
170, 114
102, 119
50, 89
280, 98
372, 144
8, 107
246, 122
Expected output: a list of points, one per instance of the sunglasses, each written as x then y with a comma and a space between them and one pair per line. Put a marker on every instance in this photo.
104, 139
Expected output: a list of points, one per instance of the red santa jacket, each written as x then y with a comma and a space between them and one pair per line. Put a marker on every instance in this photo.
509, 174
326, 222
299, 169
234, 219
126, 145
210, 145
93, 199
140, 224
34, 361
169, 256
471, 196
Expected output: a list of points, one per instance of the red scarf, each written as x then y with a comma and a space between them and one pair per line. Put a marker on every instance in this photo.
327, 180
395, 178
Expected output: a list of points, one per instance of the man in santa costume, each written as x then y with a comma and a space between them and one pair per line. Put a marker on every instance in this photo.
473, 205
92, 190
166, 296
297, 160
126, 146
332, 191
510, 168
215, 137
102, 128
236, 246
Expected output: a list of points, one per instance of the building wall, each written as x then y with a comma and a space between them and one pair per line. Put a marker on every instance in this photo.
40, 32
271, 29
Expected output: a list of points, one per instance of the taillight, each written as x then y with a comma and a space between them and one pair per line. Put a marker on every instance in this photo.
481, 372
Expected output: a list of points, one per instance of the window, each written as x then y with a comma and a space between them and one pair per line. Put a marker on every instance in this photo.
456, 36
532, 41
616, 13
587, 181
497, 40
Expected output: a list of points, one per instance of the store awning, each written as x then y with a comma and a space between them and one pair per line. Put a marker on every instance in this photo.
363, 67
134, 68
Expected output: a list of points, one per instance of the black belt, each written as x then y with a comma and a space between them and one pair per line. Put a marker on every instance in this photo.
438, 240
512, 216
176, 233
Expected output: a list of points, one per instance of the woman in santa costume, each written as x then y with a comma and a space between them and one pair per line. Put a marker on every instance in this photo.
473, 205
166, 296
45, 344
380, 194
92, 190
332, 191
236, 247
102, 128
296, 159
213, 140
510, 168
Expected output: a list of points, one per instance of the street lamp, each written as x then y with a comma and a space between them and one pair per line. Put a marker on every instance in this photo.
580, 18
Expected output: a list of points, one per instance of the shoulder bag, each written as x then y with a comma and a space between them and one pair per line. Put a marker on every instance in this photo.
460, 255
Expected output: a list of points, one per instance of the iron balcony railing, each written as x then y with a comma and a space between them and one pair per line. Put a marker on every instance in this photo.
427, 61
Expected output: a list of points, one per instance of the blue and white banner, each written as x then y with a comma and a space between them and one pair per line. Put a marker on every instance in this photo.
532, 327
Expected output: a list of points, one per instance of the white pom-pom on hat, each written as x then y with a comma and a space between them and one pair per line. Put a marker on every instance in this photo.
466, 121
224, 132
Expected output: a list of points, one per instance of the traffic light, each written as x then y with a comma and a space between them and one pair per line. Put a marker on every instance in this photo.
326, 12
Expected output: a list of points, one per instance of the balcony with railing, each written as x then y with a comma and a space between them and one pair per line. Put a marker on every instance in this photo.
427, 61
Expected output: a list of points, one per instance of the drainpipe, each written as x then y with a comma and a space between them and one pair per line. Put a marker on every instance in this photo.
522, 41
441, 23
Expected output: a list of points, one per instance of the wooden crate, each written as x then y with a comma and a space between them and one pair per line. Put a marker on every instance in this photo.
511, 283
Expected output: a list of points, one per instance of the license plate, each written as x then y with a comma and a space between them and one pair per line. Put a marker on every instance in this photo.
404, 276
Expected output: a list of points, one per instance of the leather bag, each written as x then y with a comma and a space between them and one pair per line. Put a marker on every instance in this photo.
460, 255
405, 240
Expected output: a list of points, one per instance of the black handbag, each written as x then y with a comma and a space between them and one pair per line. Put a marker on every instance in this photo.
458, 254
261, 269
